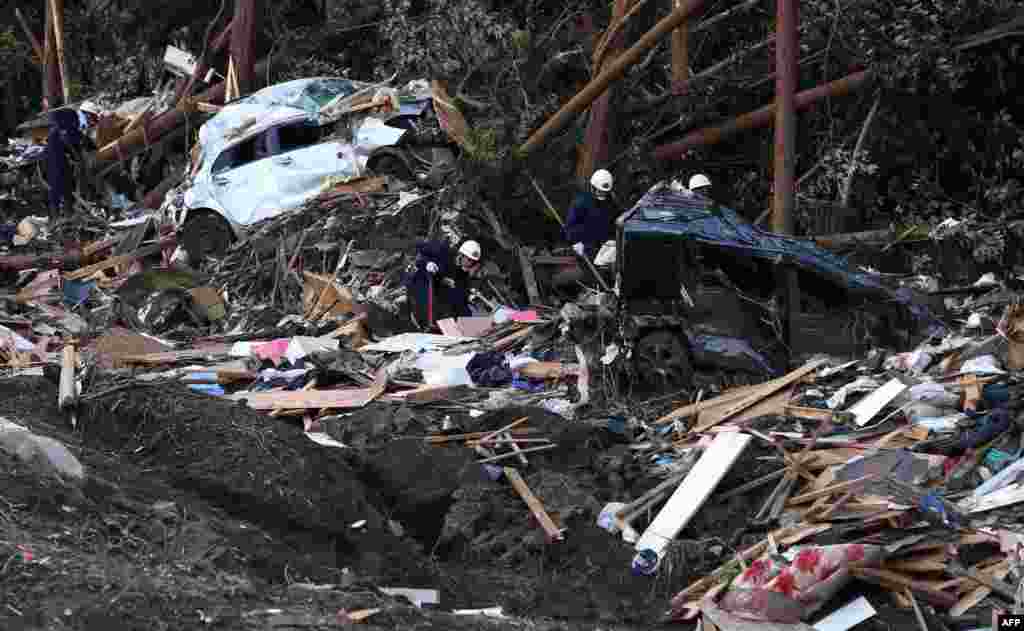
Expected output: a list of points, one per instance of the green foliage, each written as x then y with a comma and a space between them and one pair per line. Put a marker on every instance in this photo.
448, 40
481, 144
8, 42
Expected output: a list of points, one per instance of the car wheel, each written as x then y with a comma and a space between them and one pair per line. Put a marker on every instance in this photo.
661, 359
391, 165
205, 234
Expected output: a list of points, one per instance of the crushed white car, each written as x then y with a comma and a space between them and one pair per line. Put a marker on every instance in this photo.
276, 149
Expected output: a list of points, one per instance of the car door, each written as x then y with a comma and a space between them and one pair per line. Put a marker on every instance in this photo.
307, 161
239, 181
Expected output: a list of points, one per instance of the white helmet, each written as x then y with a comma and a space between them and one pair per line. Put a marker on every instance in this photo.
89, 107
602, 180
470, 250
699, 181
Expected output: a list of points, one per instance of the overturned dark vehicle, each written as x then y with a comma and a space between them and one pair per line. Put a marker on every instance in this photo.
697, 288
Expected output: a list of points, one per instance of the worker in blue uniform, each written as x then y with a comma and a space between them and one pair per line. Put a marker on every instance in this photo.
438, 286
589, 226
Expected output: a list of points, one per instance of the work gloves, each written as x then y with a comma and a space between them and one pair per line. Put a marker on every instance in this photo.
432, 267
577, 248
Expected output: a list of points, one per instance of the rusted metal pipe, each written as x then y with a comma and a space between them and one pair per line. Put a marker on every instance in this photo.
243, 43
785, 114
761, 117
615, 71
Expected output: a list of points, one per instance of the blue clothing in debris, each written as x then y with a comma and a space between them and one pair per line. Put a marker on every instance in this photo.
449, 301
65, 132
489, 369
590, 222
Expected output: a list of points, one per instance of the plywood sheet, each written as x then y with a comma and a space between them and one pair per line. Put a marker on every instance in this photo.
693, 491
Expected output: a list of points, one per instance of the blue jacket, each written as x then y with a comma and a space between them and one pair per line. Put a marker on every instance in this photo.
448, 301
590, 221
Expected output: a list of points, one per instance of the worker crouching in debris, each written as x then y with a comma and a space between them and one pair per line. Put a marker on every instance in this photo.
438, 287
589, 226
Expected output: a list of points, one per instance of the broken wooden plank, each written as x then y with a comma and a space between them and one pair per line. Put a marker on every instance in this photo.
695, 408
513, 339
931, 563
841, 487
760, 393
694, 490
114, 261
348, 398
512, 454
868, 407
774, 405
173, 357
810, 414
425, 394
981, 592
985, 579
933, 595
553, 532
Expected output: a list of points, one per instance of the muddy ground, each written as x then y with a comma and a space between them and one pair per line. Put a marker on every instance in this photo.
196, 510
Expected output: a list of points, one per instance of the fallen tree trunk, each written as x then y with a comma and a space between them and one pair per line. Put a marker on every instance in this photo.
760, 117
615, 71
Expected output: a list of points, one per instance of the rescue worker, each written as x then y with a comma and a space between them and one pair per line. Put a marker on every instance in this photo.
68, 132
588, 227
438, 286
700, 183
590, 217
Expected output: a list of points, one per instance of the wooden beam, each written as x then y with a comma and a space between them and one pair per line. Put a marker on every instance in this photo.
114, 261
553, 532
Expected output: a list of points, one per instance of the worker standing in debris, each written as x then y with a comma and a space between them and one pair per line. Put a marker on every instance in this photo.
68, 133
588, 227
438, 286
590, 217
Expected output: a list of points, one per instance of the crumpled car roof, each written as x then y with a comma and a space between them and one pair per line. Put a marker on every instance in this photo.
696, 217
292, 100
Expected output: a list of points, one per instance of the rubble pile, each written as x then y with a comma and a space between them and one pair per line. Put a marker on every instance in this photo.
661, 442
